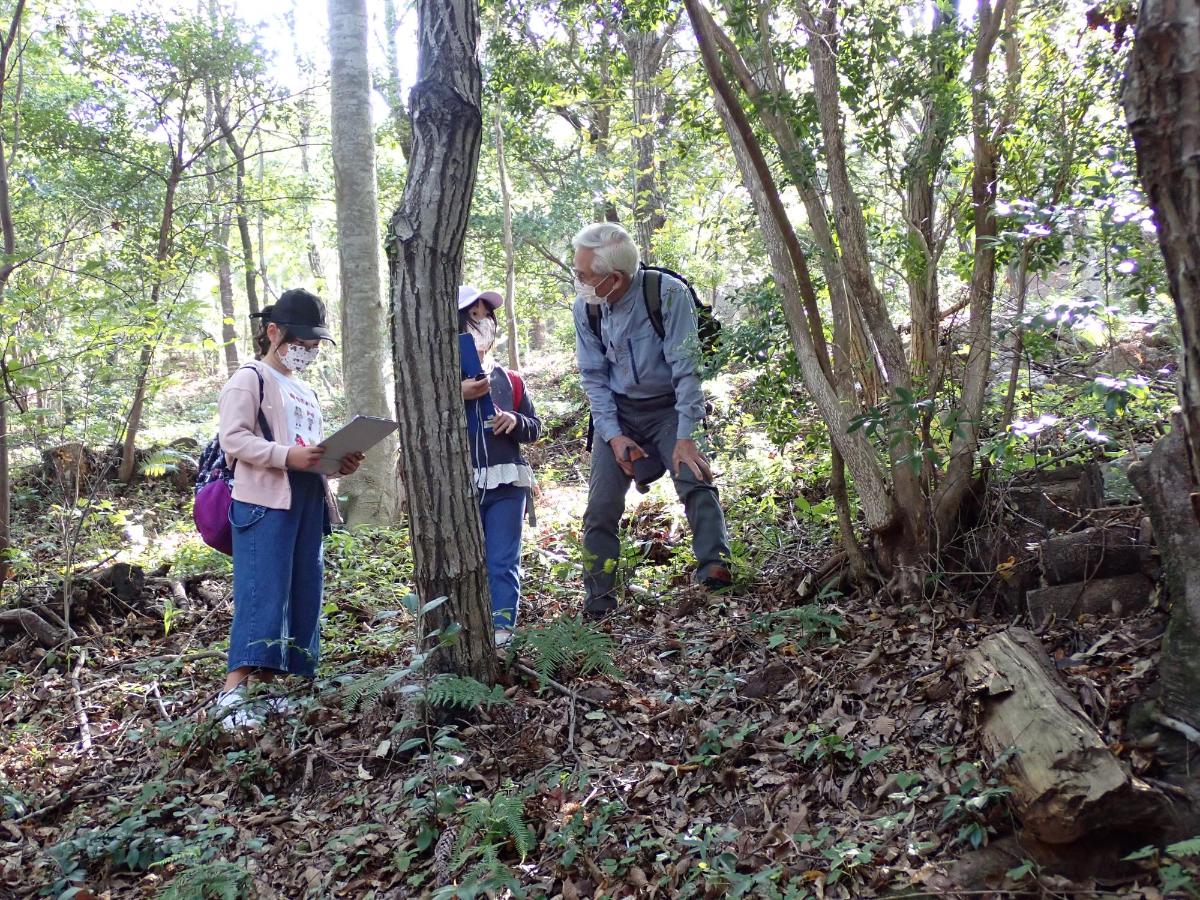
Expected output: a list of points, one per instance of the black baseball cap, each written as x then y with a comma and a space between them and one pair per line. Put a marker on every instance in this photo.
302, 313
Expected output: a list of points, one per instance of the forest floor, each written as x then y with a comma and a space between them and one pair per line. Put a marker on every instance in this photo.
774, 741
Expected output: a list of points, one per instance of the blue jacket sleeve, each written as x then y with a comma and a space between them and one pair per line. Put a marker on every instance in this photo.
681, 348
594, 373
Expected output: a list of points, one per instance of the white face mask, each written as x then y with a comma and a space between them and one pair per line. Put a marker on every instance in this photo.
587, 294
483, 332
298, 358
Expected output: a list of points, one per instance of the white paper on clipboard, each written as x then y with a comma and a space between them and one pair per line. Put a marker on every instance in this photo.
357, 436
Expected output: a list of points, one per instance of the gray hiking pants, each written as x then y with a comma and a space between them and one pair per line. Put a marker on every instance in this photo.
652, 423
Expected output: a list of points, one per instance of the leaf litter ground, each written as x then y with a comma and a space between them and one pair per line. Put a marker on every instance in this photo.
754, 744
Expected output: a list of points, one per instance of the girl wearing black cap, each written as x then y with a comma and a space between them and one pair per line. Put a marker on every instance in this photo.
271, 426
502, 476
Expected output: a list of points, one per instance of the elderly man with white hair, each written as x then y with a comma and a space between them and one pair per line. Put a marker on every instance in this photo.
646, 402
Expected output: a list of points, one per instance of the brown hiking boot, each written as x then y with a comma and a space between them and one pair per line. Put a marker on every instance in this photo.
716, 578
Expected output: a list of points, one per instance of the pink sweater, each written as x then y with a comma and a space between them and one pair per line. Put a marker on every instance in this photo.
261, 473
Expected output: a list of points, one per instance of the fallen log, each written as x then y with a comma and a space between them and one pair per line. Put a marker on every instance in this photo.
1058, 498
1118, 596
1066, 783
32, 624
1090, 553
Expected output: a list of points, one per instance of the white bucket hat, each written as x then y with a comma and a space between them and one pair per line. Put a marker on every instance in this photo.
468, 294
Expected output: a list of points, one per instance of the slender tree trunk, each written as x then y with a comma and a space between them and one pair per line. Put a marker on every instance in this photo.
845, 331
510, 265
924, 163
8, 240
310, 233
791, 274
1162, 106
847, 211
371, 491
134, 421
645, 51
425, 248
261, 219
221, 251
229, 333
239, 199
852, 356
400, 118
904, 545
985, 136
1010, 393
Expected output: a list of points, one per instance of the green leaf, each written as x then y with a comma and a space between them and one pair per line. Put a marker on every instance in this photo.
1190, 847
433, 604
1145, 853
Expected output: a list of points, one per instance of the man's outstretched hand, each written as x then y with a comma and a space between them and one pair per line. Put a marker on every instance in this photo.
688, 454
626, 450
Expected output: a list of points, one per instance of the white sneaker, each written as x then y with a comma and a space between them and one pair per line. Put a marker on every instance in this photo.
234, 711
503, 636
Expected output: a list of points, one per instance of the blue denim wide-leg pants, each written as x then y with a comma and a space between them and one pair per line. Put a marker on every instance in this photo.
502, 510
278, 580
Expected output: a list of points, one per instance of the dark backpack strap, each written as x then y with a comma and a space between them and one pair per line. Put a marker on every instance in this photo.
652, 294
262, 420
593, 314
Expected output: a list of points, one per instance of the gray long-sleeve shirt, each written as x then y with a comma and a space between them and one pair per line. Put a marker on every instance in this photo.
633, 362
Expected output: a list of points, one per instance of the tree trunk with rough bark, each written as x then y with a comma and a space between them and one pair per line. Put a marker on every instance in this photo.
425, 249
1162, 106
370, 492
1163, 480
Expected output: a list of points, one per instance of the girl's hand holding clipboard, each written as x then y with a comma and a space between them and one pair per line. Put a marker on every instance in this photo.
350, 463
303, 458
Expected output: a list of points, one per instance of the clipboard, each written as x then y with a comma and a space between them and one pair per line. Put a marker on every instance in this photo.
356, 436
482, 409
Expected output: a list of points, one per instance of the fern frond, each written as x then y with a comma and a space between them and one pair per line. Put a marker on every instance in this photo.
1190, 847
488, 824
569, 642
221, 880
161, 462
457, 690
365, 692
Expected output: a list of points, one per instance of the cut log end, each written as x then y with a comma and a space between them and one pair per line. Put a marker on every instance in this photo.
1067, 785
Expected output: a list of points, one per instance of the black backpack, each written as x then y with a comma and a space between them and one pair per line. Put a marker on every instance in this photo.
707, 326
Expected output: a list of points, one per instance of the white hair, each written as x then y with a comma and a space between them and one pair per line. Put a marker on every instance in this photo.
614, 248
